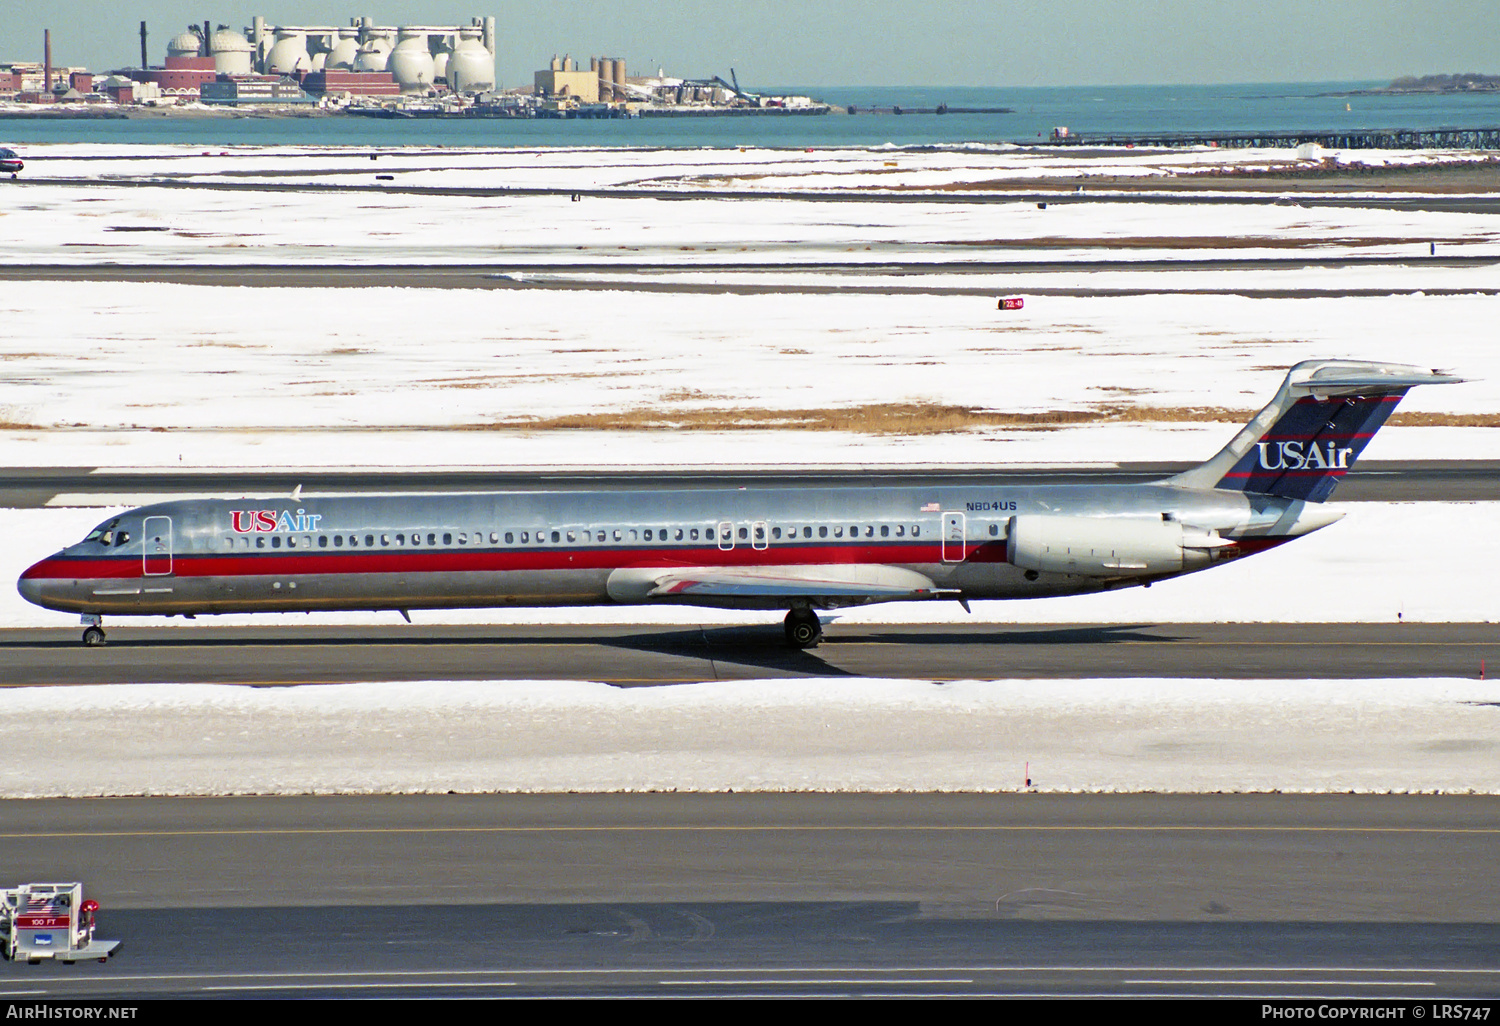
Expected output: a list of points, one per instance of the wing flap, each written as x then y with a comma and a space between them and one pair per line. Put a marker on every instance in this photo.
842, 582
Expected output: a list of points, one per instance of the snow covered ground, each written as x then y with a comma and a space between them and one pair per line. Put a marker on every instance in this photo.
134, 374
117, 374
806, 734
750, 168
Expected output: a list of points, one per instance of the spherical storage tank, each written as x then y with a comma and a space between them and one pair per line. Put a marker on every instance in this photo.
231, 52
341, 57
411, 62
471, 69
289, 54
374, 53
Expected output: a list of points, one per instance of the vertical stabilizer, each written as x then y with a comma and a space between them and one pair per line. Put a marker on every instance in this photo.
1309, 436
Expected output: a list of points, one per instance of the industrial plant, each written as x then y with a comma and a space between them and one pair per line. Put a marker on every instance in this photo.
383, 70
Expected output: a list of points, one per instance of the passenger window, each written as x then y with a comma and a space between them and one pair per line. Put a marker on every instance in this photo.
994, 530
260, 542
275, 541
900, 530
603, 536
369, 541
915, 530
338, 541
572, 536
401, 539
618, 535
494, 538
744, 534
822, 532
385, 539
678, 536
693, 534
870, 531
633, 535
838, 531
775, 532
556, 537
885, 531
416, 539
807, 532
510, 538
463, 537
648, 534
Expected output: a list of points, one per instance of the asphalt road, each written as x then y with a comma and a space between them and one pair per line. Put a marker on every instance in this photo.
773, 895
641, 656
33, 487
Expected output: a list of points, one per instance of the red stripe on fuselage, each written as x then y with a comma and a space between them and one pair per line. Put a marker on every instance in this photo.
264, 564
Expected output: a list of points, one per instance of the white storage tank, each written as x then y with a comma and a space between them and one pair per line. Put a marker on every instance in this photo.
374, 53
411, 62
288, 54
471, 69
186, 44
231, 52
341, 57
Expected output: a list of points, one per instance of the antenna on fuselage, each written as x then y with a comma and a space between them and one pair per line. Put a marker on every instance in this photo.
297, 494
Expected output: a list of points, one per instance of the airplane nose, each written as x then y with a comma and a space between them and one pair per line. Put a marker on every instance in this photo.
31, 583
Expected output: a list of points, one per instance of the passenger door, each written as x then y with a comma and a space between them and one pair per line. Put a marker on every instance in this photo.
156, 546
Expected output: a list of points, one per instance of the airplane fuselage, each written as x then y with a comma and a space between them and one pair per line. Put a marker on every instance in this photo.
488, 549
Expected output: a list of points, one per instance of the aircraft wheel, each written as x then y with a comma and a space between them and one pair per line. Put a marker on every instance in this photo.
93, 637
803, 629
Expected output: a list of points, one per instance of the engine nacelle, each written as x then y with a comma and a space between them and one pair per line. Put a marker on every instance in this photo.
1108, 546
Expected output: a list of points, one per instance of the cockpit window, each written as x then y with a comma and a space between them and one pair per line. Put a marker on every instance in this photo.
121, 537
104, 534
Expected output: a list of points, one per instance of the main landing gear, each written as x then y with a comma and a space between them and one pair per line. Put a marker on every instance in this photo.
93, 634
803, 629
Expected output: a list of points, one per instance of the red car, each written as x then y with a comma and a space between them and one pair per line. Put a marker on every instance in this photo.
10, 161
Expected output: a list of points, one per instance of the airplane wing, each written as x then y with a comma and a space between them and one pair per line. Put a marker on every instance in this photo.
768, 585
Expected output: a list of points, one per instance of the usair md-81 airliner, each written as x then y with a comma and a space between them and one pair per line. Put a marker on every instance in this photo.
796, 548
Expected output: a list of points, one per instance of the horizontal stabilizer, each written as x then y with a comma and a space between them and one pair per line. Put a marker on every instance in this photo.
1308, 437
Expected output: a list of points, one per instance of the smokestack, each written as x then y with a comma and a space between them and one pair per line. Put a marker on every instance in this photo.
47, 61
206, 51
144, 65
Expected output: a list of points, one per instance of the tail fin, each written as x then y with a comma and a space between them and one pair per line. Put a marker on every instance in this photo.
1322, 418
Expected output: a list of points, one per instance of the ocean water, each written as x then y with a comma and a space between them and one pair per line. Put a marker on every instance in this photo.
1036, 111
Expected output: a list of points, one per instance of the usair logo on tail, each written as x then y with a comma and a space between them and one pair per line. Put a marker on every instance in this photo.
1293, 456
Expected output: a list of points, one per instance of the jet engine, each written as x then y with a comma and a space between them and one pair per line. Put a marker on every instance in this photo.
1109, 546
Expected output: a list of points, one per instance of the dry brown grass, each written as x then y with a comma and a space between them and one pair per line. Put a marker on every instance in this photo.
926, 419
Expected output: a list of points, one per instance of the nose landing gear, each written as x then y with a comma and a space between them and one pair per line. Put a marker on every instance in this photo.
93, 634
803, 629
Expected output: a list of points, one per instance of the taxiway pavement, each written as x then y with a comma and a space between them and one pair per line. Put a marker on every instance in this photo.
635, 655
773, 895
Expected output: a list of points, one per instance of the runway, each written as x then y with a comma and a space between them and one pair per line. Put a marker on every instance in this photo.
642, 656
35, 487
773, 895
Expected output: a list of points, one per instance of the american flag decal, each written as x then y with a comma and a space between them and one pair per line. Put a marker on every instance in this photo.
931, 507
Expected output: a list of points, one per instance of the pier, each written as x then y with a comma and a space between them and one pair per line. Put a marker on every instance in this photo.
1342, 139
941, 108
